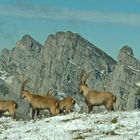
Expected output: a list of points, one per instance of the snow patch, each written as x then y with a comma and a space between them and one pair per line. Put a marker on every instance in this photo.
6, 77
133, 69
72, 63
138, 84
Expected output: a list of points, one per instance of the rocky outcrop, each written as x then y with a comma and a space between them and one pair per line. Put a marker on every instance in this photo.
58, 64
125, 76
70, 54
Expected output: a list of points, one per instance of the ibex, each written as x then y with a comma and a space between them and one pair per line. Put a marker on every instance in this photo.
66, 105
96, 98
38, 102
10, 106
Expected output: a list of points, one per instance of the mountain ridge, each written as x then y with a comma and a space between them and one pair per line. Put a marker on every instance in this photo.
58, 64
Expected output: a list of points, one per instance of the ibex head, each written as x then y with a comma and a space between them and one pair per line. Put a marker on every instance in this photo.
24, 94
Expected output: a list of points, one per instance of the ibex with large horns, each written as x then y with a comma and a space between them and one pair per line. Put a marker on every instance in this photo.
95, 98
38, 102
65, 105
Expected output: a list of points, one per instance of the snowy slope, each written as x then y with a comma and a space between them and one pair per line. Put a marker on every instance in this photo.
103, 126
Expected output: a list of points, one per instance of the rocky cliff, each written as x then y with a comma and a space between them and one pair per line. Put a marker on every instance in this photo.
125, 77
58, 64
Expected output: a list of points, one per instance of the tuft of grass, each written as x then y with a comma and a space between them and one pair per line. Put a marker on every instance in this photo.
28, 131
114, 120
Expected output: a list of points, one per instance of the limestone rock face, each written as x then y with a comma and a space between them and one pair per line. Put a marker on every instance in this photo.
125, 77
70, 54
58, 64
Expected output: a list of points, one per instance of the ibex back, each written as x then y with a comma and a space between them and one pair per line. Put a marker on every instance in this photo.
38, 102
66, 105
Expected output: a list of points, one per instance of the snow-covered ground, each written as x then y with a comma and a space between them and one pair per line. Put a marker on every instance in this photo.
74, 126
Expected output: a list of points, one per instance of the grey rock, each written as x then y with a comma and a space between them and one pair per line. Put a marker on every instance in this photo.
58, 64
125, 76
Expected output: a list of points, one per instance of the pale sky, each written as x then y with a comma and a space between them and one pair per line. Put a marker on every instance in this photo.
108, 24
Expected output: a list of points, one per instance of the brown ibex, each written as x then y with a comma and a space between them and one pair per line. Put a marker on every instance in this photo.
10, 106
66, 105
96, 98
38, 102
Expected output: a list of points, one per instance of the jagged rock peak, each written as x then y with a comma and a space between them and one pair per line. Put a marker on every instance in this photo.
125, 54
127, 50
74, 41
28, 42
63, 35
127, 58
5, 51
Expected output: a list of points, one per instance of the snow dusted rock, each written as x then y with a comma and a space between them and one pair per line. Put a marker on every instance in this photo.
5, 84
6, 77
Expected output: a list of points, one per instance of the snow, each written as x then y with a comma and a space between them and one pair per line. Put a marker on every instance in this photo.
138, 84
6, 77
72, 63
74, 126
3, 75
103, 71
133, 69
